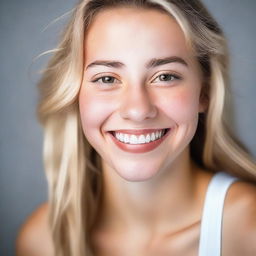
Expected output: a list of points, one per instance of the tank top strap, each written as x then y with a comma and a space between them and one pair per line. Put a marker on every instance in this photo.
211, 222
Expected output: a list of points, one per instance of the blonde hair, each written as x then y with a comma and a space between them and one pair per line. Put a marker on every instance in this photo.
73, 167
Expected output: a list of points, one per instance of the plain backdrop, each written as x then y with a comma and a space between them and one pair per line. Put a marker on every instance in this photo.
24, 35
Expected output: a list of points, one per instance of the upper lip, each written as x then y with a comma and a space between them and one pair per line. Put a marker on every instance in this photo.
140, 131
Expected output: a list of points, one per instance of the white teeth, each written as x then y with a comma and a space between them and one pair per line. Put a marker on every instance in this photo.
140, 139
148, 138
133, 139
126, 138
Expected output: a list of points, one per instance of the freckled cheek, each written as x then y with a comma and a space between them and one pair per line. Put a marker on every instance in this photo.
182, 106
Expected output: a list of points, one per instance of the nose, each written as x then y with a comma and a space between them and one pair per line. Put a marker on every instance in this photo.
137, 105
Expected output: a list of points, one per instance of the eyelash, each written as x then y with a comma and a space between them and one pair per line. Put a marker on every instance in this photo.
173, 77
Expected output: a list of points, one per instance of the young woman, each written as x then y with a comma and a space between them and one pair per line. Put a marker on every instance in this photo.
137, 156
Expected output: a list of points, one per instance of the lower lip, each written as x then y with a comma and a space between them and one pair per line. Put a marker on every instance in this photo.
139, 148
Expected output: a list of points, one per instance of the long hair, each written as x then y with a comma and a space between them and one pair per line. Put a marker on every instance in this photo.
73, 167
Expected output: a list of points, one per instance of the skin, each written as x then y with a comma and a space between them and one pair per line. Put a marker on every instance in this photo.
134, 97
152, 202
134, 183
137, 99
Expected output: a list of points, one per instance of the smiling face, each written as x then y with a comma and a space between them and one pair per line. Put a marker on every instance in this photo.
139, 101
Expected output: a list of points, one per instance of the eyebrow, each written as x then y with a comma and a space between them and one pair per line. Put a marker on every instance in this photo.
155, 62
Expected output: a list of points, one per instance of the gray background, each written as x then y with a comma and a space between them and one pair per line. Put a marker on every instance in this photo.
23, 36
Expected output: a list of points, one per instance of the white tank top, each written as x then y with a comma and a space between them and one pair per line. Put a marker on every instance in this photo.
211, 222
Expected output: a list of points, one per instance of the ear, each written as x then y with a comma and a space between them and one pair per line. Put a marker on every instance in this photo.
204, 98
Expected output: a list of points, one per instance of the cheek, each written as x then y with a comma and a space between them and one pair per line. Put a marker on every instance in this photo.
182, 106
93, 111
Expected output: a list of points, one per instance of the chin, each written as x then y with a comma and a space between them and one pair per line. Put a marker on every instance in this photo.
136, 174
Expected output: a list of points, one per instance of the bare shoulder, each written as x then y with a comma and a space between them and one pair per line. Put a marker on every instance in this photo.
34, 235
239, 228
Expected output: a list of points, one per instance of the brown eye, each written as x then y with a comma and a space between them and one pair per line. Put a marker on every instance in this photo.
105, 79
166, 77
108, 79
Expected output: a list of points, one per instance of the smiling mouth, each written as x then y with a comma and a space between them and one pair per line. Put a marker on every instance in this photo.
138, 139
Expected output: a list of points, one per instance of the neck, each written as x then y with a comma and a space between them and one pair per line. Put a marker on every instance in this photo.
156, 204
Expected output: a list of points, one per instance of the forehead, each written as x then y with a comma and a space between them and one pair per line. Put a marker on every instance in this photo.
126, 30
